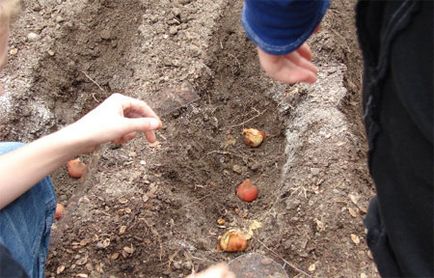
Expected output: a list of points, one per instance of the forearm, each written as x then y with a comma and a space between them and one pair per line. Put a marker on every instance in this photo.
24, 167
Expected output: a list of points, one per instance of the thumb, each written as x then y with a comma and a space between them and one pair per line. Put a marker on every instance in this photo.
143, 124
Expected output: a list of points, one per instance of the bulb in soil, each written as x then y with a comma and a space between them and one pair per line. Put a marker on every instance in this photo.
76, 168
59, 212
233, 241
247, 191
253, 137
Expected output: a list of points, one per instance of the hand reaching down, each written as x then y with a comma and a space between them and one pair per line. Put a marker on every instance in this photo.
291, 68
117, 119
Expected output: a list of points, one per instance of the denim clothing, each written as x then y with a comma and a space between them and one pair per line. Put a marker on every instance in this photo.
25, 226
281, 26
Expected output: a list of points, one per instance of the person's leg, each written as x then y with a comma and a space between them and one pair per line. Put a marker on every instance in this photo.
25, 224
399, 116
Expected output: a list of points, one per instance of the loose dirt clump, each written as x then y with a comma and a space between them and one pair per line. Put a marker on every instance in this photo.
158, 210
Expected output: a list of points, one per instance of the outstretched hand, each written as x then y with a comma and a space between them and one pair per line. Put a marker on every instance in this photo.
291, 68
117, 119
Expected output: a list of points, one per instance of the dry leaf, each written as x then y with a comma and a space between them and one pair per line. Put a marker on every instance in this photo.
82, 260
13, 51
312, 267
123, 200
114, 256
156, 145
230, 141
81, 275
104, 244
129, 250
355, 239
84, 242
353, 212
354, 198
363, 275
320, 226
60, 269
98, 267
254, 225
122, 230
220, 221
363, 209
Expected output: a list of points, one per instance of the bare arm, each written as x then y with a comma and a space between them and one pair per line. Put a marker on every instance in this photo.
116, 119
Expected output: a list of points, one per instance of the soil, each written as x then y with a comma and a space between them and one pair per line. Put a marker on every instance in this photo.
152, 210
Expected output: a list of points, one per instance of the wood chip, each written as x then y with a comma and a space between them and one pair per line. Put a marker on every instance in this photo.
220, 221
13, 51
82, 275
353, 212
355, 239
312, 267
354, 198
84, 242
123, 200
363, 275
114, 256
320, 226
60, 269
82, 261
99, 268
129, 250
122, 230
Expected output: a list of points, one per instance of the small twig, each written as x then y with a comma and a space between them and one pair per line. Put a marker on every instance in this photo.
236, 60
248, 120
158, 237
172, 258
94, 82
280, 257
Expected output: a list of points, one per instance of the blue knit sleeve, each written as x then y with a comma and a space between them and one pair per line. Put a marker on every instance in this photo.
281, 26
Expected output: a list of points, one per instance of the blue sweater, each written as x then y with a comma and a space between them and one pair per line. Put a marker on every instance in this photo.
281, 26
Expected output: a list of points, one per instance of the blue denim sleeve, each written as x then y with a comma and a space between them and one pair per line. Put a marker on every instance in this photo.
281, 26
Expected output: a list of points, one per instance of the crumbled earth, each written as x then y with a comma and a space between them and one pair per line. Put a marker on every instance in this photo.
158, 210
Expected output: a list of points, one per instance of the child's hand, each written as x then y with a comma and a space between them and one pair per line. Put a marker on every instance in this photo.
215, 271
290, 68
117, 119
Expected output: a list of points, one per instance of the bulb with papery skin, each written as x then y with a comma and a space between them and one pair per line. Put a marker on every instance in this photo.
59, 212
76, 168
253, 137
233, 241
247, 191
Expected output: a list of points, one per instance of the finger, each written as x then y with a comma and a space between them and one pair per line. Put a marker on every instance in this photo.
305, 51
299, 60
150, 136
141, 124
140, 107
294, 74
129, 136
126, 138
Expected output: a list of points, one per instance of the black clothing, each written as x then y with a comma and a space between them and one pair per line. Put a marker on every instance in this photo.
396, 38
